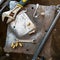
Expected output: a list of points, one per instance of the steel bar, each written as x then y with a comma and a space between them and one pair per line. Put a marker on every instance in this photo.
28, 41
42, 42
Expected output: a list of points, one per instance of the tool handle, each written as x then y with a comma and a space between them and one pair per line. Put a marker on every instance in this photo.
23, 2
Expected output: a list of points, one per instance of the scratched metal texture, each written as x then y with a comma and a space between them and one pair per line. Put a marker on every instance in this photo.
42, 24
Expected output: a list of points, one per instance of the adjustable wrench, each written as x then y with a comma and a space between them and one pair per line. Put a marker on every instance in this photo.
12, 13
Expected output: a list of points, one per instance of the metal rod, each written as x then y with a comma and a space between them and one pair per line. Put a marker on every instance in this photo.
41, 45
28, 41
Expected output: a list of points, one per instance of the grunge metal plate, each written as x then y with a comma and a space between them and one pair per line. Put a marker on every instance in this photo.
42, 23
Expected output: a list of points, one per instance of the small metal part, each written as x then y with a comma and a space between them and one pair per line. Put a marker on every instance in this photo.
25, 41
20, 44
35, 12
16, 44
42, 13
12, 44
32, 32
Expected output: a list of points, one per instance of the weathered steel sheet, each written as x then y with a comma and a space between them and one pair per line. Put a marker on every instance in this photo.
42, 24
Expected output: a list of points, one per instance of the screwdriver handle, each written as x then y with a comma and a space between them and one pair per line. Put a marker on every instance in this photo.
22, 2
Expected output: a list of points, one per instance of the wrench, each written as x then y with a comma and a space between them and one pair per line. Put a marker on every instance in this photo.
42, 42
12, 13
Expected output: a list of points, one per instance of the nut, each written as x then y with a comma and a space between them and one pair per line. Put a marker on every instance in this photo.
12, 44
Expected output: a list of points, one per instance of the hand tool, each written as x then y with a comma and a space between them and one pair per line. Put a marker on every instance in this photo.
12, 13
43, 41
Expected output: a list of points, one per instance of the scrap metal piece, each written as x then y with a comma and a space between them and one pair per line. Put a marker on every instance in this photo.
12, 44
42, 13
26, 41
16, 44
21, 23
32, 32
20, 44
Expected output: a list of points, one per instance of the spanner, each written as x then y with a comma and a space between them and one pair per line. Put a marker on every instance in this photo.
12, 13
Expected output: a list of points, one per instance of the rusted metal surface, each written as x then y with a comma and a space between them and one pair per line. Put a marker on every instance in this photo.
53, 42
42, 24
